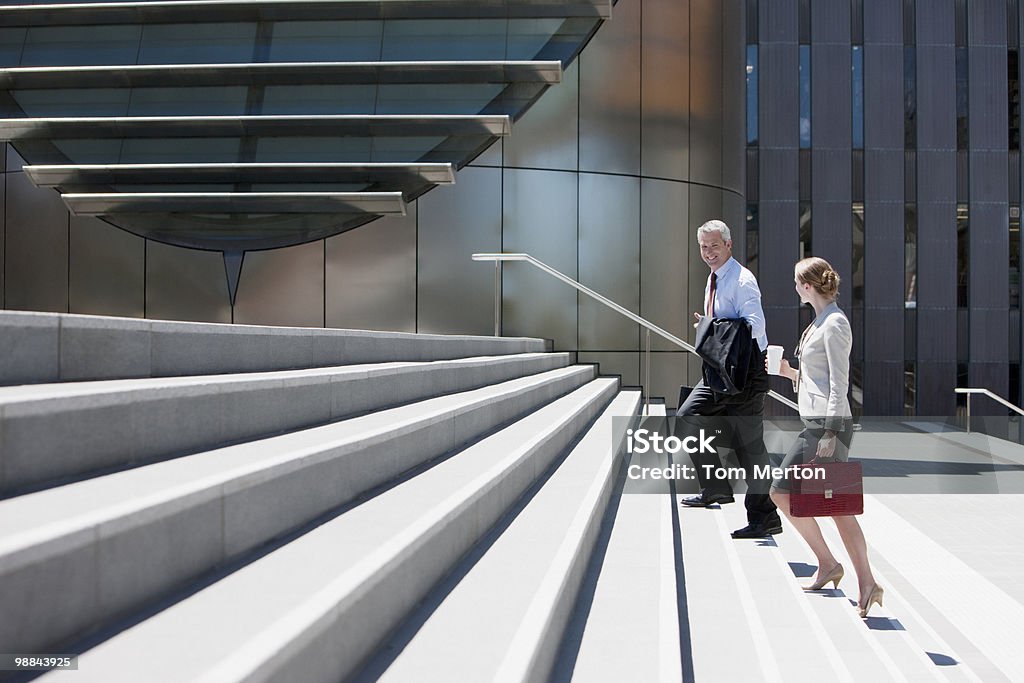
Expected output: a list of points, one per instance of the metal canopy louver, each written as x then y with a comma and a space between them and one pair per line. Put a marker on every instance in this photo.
234, 126
70, 176
167, 11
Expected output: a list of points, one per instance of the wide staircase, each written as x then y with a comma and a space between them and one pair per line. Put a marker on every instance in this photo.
199, 502
217, 502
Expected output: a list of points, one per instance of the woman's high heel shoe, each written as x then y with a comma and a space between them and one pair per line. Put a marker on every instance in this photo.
874, 596
835, 576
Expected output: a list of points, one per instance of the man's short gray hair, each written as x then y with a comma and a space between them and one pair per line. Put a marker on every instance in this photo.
715, 226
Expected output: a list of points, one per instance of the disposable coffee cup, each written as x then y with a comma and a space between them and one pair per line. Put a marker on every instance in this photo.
774, 359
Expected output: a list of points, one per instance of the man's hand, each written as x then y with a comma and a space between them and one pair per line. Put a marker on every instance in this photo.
696, 317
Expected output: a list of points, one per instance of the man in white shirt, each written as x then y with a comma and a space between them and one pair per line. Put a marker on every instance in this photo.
732, 292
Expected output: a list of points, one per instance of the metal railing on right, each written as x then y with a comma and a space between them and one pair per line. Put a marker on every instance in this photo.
499, 258
969, 391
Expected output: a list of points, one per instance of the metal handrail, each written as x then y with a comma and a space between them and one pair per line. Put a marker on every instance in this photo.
498, 258
995, 397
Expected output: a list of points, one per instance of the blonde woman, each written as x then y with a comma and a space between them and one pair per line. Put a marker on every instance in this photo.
822, 383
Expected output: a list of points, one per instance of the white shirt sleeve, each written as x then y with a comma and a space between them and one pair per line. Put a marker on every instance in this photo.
748, 305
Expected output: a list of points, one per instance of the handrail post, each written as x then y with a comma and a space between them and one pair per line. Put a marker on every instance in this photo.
647, 373
497, 298
969, 412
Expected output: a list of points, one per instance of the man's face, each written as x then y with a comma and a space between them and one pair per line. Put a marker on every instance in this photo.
714, 250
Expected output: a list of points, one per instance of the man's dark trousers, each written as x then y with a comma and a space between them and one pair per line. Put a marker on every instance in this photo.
748, 438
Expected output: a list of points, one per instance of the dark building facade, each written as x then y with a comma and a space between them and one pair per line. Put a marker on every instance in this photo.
885, 137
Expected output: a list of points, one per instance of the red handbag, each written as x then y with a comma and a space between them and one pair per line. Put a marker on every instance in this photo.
827, 489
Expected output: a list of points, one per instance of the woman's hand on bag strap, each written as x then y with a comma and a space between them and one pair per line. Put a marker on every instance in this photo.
826, 446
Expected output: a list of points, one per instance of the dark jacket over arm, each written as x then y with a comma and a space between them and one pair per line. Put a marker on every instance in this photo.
726, 347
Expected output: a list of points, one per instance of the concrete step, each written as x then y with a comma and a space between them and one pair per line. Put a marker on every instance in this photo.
539, 561
628, 628
803, 635
967, 620
879, 645
728, 634
316, 607
823, 623
79, 554
58, 347
57, 431
907, 642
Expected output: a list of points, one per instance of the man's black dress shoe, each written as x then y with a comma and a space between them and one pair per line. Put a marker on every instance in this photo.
758, 530
706, 498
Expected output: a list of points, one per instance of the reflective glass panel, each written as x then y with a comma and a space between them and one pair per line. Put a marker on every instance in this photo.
961, 98
962, 255
318, 99
71, 102
806, 231
73, 45
858, 96
1014, 256
751, 94
326, 41
805, 96
910, 97
218, 43
910, 254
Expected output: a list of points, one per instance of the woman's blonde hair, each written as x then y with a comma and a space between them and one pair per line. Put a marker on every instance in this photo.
818, 273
